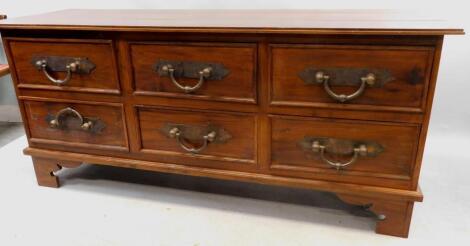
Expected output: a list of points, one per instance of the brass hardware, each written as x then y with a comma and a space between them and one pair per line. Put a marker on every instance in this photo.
62, 64
72, 67
361, 150
195, 70
368, 80
341, 147
184, 133
345, 76
56, 122
203, 74
176, 133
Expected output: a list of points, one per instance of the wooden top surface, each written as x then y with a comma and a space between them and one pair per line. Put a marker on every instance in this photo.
374, 22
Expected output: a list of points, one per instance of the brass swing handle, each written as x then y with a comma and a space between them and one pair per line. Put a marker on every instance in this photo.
360, 150
69, 65
322, 77
177, 133
57, 121
70, 68
203, 75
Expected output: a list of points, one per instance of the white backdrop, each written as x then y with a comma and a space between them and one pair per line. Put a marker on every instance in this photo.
451, 111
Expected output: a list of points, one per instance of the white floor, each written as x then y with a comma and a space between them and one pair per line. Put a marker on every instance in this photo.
107, 206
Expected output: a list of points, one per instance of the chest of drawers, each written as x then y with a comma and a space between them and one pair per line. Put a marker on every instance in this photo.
324, 100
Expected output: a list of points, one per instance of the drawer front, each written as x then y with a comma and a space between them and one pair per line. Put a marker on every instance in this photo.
213, 71
346, 151
198, 136
76, 125
67, 65
359, 76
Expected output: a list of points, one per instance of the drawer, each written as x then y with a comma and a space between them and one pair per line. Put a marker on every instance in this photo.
65, 65
360, 77
198, 137
345, 151
211, 71
76, 125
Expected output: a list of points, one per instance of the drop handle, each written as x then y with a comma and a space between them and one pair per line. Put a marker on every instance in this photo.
203, 75
57, 121
70, 68
178, 135
358, 151
323, 78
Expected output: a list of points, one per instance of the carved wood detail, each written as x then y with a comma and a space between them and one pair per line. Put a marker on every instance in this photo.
45, 169
393, 217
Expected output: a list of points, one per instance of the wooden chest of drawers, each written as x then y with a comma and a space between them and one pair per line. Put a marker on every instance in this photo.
331, 101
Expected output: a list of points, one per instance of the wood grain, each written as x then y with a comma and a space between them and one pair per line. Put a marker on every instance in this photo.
242, 21
397, 213
289, 157
45, 168
111, 136
103, 79
262, 103
239, 59
240, 147
427, 113
409, 68
340, 188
